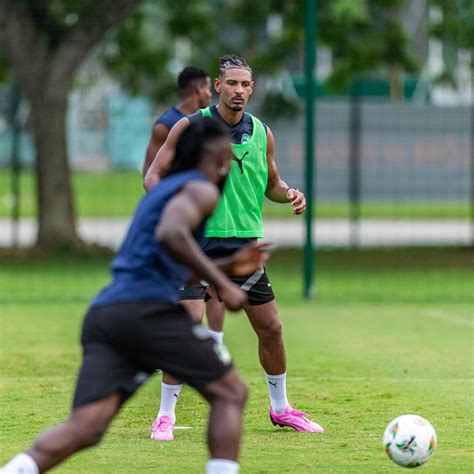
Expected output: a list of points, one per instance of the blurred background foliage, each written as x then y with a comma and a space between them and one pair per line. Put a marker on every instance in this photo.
363, 36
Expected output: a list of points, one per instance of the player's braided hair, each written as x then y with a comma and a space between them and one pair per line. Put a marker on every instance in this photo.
232, 61
191, 143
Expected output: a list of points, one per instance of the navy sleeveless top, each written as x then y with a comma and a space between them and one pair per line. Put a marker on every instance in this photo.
169, 117
142, 269
240, 132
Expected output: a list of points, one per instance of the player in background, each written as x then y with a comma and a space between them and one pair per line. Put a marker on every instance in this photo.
136, 324
194, 86
237, 221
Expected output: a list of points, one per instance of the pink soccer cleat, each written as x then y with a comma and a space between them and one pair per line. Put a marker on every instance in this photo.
295, 419
162, 429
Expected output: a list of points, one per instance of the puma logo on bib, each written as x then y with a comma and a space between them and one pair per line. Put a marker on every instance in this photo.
240, 161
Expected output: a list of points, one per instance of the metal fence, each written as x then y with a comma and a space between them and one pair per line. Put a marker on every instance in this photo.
397, 152
386, 173
403, 173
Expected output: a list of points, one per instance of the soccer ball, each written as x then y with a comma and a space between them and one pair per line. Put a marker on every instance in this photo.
409, 440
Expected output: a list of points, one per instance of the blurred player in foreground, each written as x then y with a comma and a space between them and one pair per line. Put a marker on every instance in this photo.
194, 86
237, 221
136, 324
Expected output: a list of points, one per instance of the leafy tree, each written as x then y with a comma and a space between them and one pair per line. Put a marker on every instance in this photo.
45, 42
5, 70
364, 36
141, 53
456, 25
455, 28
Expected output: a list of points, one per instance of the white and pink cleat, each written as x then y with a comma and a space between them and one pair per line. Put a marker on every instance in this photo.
295, 419
162, 429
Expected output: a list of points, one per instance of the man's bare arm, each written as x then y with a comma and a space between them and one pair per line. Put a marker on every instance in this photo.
182, 215
277, 190
158, 137
164, 155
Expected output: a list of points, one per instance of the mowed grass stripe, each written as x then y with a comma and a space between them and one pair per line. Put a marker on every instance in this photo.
354, 363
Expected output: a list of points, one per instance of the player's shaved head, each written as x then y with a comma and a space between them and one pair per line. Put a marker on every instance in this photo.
190, 77
232, 61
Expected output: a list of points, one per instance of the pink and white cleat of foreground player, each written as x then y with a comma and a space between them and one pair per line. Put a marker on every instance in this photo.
295, 419
162, 429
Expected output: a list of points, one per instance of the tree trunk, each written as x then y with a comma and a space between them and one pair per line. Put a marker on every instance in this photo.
395, 82
45, 69
56, 216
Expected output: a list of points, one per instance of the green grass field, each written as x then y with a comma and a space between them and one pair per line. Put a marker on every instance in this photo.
116, 194
390, 332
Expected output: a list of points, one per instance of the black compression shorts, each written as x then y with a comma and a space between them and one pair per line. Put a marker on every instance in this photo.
125, 343
258, 286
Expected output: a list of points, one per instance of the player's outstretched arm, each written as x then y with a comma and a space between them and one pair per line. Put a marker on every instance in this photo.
247, 260
182, 215
277, 190
165, 154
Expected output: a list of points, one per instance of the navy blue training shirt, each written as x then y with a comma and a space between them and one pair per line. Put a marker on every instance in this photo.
143, 270
241, 132
169, 117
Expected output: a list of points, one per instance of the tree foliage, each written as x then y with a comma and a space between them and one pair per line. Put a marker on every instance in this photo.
364, 36
45, 42
455, 28
456, 24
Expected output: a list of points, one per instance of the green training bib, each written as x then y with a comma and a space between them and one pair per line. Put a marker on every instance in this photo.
239, 212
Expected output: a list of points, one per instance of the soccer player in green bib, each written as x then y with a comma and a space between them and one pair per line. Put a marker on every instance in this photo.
237, 221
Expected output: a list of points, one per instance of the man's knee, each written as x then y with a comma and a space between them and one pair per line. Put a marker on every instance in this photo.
241, 392
88, 430
265, 321
235, 392
271, 330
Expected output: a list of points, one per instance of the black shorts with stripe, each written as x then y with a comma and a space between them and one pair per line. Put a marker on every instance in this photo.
257, 285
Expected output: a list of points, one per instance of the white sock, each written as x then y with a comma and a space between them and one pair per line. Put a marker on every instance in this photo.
169, 397
222, 466
218, 336
277, 389
21, 464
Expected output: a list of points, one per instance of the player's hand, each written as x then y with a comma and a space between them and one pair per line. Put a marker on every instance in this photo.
250, 259
150, 180
297, 200
232, 296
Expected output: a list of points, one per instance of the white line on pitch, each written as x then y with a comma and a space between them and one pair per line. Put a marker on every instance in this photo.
439, 315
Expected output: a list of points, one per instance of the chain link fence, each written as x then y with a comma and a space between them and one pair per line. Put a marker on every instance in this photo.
386, 173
